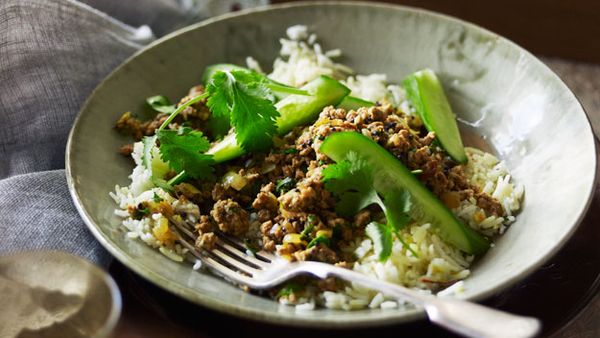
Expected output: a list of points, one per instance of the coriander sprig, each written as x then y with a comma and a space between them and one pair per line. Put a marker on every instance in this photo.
245, 100
351, 181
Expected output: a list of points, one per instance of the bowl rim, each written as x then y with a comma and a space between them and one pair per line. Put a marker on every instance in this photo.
355, 321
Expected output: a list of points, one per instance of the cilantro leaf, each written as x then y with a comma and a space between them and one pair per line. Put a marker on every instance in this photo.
351, 181
397, 204
219, 127
219, 89
381, 236
245, 100
289, 289
183, 149
161, 104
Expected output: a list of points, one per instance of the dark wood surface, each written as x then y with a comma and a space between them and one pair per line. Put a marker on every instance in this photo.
562, 28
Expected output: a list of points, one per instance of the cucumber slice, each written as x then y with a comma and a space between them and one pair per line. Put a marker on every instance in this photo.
353, 103
297, 110
427, 96
389, 173
151, 160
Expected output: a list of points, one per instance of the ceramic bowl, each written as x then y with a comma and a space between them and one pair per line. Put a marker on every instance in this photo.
532, 120
56, 294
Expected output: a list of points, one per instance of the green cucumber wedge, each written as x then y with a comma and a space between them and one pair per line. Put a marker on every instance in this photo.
353, 103
297, 110
390, 173
425, 92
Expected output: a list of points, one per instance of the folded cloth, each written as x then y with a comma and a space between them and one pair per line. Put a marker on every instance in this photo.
52, 54
37, 214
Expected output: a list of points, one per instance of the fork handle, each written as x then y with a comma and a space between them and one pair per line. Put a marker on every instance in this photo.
460, 316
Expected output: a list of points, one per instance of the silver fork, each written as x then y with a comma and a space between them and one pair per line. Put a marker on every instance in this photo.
264, 270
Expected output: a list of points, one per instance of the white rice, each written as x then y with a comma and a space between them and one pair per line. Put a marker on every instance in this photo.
302, 60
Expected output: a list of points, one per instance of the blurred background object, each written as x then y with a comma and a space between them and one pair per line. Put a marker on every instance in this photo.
165, 16
52, 294
562, 28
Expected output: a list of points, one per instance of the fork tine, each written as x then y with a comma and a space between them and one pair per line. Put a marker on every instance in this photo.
237, 252
216, 265
241, 254
263, 255
234, 262
183, 228
227, 272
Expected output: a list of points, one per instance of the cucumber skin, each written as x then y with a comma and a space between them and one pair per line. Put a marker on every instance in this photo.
324, 91
442, 125
354, 103
394, 174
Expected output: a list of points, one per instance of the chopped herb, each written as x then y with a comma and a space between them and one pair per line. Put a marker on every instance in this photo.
417, 171
161, 104
157, 198
285, 185
290, 151
140, 213
251, 246
288, 289
308, 228
321, 162
321, 239
244, 99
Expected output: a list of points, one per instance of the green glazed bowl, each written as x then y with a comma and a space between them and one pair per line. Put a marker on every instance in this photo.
504, 93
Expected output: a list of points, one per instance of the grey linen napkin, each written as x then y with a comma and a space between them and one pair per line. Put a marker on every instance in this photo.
52, 54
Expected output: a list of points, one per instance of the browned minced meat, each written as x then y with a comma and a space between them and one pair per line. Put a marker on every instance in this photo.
207, 241
329, 284
195, 115
129, 125
305, 202
205, 224
319, 253
126, 149
489, 204
279, 213
309, 195
190, 192
413, 147
230, 217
